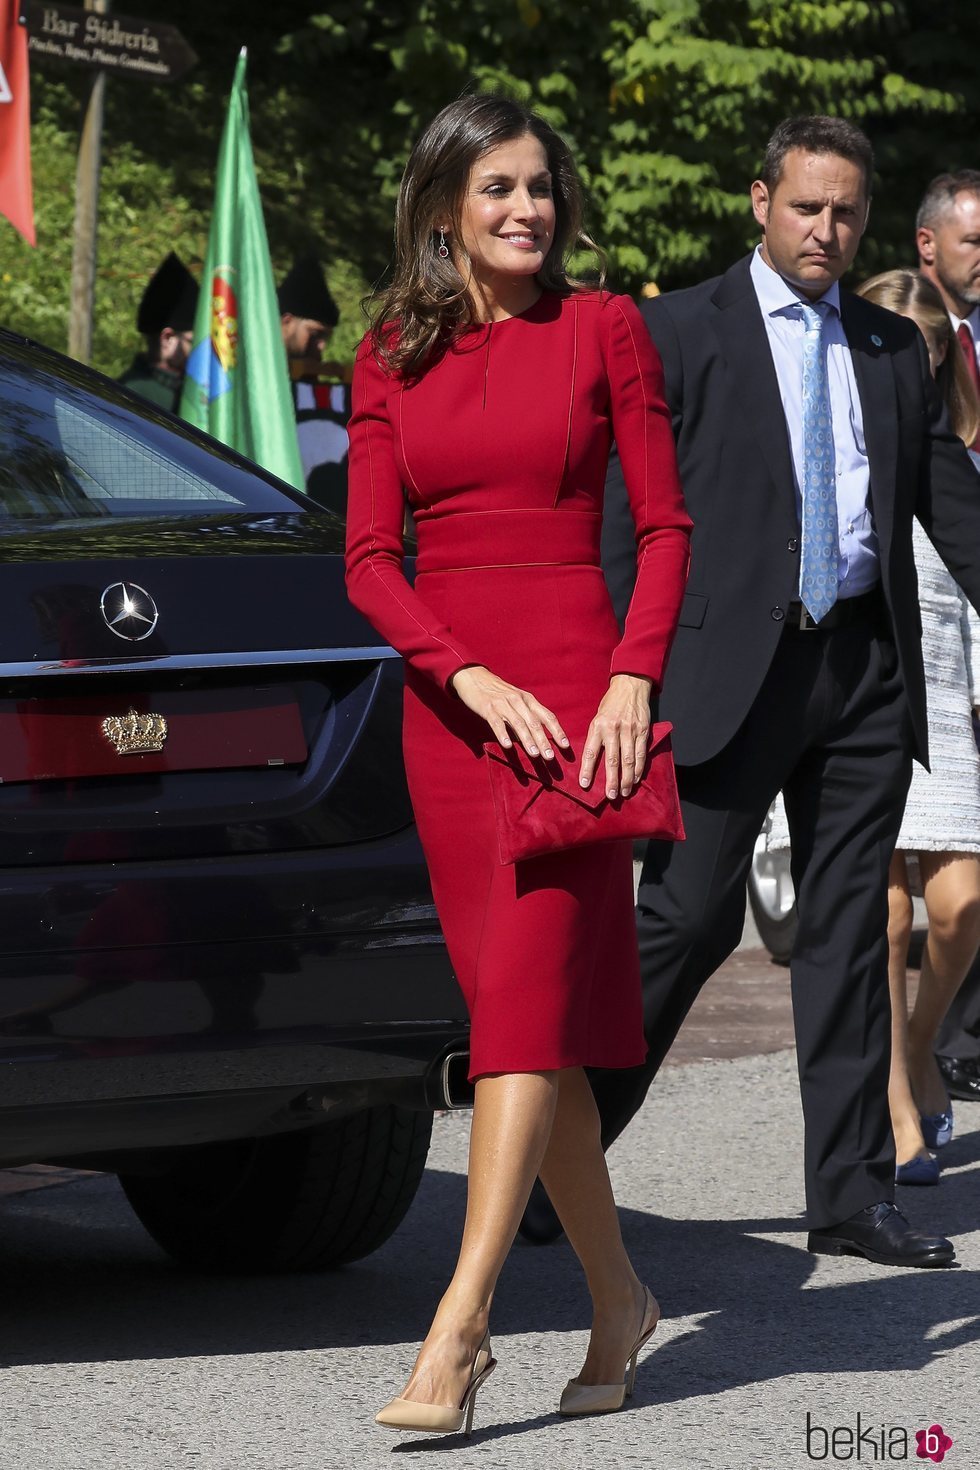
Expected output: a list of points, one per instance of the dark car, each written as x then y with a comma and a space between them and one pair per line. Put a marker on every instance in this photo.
221, 973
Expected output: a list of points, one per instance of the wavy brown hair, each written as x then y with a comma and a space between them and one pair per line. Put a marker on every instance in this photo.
429, 303
910, 294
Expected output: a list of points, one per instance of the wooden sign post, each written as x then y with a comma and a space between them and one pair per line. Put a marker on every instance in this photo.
85, 248
88, 36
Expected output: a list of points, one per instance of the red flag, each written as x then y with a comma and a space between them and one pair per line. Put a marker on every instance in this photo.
16, 194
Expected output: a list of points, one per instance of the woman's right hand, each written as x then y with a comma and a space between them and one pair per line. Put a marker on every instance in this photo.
508, 709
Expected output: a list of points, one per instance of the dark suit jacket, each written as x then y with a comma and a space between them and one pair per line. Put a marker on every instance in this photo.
736, 470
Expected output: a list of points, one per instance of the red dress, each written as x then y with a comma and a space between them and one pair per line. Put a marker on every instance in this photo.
502, 449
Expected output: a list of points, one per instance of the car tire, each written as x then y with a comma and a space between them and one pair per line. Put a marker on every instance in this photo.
296, 1202
772, 900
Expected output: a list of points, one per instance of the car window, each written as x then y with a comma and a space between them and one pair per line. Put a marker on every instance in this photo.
73, 447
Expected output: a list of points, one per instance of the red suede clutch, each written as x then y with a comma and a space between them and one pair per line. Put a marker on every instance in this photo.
540, 806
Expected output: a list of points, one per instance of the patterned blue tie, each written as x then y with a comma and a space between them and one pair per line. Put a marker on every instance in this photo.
820, 554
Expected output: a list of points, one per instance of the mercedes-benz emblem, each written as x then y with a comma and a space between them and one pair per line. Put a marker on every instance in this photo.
129, 611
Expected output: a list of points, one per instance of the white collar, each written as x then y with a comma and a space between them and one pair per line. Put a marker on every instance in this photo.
776, 294
971, 322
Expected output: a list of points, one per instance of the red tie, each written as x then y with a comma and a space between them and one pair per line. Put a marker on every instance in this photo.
965, 338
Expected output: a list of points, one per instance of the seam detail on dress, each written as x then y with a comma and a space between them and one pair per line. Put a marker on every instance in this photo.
504, 566
372, 552
571, 406
370, 453
646, 410
414, 616
486, 363
401, 443
511, 510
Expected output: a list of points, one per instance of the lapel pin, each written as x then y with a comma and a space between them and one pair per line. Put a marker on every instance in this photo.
876, 340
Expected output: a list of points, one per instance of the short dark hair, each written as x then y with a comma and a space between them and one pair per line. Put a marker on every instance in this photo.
817, 133
941, 193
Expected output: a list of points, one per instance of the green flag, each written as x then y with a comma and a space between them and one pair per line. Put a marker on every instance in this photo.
237, 384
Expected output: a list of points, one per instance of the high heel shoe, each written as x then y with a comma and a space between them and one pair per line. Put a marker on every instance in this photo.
604, 1398
440, 1418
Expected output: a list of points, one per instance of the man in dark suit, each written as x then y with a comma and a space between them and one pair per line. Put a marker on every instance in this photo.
808, 434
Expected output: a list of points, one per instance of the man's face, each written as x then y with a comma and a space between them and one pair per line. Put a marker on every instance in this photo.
949, 253
303, 336
813, 220
175, 349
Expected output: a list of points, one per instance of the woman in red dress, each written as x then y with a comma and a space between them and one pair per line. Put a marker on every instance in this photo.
488, 393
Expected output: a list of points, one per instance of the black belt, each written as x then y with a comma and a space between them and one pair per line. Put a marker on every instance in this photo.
845, 610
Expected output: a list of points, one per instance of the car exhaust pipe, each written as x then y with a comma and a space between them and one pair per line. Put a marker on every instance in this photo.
448, 1082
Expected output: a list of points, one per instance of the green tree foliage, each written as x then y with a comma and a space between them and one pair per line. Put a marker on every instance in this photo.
699, 87
667, 104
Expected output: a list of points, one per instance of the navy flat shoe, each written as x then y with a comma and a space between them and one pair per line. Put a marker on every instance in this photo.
917, 1171
937, 1128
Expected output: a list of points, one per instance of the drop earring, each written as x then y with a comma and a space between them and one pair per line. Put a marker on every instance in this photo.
442, 249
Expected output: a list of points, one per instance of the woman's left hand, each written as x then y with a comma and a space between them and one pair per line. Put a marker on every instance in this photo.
622, 728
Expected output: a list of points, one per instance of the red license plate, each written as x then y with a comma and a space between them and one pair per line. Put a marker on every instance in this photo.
115, 735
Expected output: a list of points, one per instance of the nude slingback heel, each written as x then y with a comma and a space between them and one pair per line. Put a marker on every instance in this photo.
440, 1418
605, 1398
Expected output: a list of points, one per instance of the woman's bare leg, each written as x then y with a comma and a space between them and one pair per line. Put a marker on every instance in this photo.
575, 1175
951, 884
512, 1121
909, 1142
525, 1124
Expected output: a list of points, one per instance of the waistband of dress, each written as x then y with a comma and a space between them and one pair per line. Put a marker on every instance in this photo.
471, 540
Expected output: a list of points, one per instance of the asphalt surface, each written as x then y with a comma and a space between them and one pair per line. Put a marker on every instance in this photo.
112, 1356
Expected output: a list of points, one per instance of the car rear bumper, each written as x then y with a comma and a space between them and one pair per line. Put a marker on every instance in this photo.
160, 1004
118, 1112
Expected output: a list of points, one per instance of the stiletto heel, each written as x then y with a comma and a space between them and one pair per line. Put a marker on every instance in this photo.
440, 1418
605, 1398
631, 1375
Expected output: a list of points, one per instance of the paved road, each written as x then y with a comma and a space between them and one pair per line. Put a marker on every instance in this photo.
112, 1357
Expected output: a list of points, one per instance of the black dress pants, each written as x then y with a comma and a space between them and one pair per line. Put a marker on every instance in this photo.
829, 728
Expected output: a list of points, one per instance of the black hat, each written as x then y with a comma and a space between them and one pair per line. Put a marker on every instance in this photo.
304, 293
170, 299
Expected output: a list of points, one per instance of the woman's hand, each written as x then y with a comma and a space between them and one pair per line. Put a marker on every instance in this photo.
507, 708
621, 728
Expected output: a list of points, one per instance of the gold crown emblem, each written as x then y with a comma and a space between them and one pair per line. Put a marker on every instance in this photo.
135, 734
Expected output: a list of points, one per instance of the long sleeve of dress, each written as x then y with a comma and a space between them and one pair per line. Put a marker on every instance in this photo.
376, 581
644, 438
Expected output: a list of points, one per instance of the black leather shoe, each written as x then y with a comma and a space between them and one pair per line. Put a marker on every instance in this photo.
539, 1223
881, 1234
962, 1077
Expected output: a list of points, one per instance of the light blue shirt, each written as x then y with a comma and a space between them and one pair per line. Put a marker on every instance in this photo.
858, 569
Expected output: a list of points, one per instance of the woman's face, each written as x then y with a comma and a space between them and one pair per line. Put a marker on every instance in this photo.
507, 218
937, 349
